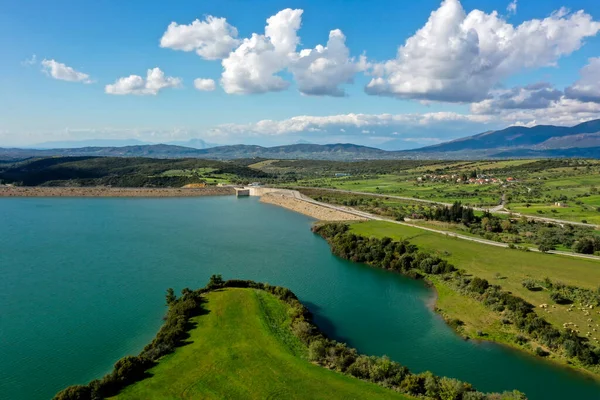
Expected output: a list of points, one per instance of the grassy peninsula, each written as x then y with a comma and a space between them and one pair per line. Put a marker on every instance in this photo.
243, 339
243, 348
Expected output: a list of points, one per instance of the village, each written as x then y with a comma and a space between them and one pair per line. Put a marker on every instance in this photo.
479, 179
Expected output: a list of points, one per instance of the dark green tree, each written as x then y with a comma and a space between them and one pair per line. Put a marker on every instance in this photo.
171, 298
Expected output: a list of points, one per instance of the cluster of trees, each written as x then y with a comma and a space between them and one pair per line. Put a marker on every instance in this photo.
587, 245
456, 213
131, 369
407, 259
546, 236
383, 253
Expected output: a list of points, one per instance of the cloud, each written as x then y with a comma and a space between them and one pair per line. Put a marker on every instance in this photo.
204, 85
542, 103
211, 39
530, 97
255, 64
252, 67
64, 73
135, 84
587, 88
566, 112
356, 124
459, 57
29, 61
512, 7
321, 70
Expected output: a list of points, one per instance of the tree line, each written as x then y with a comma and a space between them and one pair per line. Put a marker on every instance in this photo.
406, 258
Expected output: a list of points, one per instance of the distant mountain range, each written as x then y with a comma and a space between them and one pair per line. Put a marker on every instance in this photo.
560, 141
294, 151
75, 144
540, 141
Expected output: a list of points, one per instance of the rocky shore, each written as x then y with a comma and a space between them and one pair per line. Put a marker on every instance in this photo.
22, 191
312, 210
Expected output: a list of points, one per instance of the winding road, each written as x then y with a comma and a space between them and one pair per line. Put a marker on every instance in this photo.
494, 210
296, 194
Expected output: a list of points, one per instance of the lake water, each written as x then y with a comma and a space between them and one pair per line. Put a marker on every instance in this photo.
83, 281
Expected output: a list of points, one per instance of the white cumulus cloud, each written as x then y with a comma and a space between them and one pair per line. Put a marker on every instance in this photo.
459, 57
63, 72
135, 84
255, 64
211, 39
347, 123
252, 67
512, 7
204, 85
321, 70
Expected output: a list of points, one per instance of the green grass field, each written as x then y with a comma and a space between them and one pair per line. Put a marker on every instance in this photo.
505, 267
244, 349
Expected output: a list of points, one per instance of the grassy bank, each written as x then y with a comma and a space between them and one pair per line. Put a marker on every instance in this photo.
507, 268
243, 348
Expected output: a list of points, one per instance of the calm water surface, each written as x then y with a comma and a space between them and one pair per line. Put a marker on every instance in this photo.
82, 284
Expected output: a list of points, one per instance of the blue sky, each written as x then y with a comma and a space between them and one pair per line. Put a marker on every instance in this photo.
461, 70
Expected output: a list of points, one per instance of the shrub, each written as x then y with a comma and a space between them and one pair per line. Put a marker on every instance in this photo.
316, 350
76, 392
558, 298
520, 339
529, 284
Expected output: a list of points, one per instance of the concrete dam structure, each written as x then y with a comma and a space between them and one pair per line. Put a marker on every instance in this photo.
239, 192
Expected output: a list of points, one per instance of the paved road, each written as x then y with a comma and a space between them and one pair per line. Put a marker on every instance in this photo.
492, 210
370, 216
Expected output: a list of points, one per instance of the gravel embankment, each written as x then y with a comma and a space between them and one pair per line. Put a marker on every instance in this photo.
312, 210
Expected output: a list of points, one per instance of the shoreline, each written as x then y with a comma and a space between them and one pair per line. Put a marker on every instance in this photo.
287, 201
99, 191
500, 340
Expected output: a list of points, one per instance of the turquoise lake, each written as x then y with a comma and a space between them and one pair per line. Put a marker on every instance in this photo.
83, 282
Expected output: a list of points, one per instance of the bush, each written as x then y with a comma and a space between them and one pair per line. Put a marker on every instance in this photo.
316, 350
529, 284
76, 392
520, 339
558, 298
